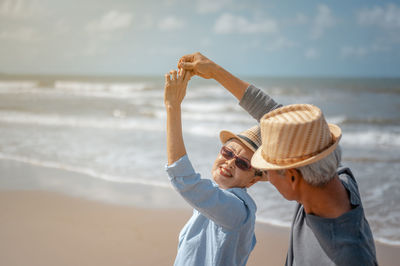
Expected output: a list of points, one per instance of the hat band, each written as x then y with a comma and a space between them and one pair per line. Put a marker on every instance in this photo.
291, 160
255, 146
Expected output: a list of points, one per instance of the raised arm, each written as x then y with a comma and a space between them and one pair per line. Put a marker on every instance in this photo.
253, 100
174, 92
205, 68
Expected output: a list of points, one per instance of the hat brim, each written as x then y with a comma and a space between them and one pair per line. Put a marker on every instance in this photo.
258, 161
226, 135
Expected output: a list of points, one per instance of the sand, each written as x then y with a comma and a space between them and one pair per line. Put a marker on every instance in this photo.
47, 228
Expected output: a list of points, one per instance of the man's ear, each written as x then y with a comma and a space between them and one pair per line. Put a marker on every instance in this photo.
294, 178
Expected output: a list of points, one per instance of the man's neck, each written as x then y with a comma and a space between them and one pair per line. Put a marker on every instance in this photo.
329, 201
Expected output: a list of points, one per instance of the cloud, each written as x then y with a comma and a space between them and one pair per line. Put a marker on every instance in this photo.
301, 18
311, 53
14, 8
171, 23
24, 34
109, 22
211, 6
351, 51
146, 22
101, 31
62, 27
228, 23
279, 43
323, 20
385, 17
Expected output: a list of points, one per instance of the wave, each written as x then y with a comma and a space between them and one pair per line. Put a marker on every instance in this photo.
274, 222
371, 121
387, 241
119, 122
279, 223
343, 120
83, 170
215, 107
371, 138
17, 86
370, 160
93, 87
197, 123
336, 119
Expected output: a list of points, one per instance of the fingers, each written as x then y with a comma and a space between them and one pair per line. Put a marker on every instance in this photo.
187, 76
167, 78
174, 74
181, 76
186, 58
186, 66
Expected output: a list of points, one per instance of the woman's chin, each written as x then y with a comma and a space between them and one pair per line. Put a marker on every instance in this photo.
219, 180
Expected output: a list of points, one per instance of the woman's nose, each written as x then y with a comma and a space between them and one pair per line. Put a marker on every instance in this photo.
231, 162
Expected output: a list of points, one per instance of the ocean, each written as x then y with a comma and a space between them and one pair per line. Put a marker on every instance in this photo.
113, 129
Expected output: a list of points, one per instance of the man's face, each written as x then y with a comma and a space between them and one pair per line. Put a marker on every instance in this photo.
227, 174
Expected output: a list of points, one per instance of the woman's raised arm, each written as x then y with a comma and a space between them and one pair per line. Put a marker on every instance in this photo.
174, 92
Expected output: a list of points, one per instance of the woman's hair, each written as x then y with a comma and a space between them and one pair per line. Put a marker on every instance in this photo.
258, 173
322, 171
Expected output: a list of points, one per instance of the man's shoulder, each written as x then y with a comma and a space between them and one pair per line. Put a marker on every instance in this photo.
349, 182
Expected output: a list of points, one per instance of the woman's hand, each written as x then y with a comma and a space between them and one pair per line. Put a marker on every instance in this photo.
198, 64
175, 87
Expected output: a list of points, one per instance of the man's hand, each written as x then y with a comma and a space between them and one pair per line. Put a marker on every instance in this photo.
198, 64
175, 87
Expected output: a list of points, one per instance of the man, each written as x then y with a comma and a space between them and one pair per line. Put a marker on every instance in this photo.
301, 155
329, 226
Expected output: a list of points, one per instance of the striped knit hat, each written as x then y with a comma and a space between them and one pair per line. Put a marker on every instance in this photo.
250, 137
293, 136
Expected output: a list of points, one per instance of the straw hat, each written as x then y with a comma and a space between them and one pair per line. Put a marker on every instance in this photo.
250, 137
293, 136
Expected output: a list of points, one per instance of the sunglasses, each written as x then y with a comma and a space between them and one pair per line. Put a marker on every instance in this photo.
240, 162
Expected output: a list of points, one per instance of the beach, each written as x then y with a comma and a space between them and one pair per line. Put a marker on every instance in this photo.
45, 227
82, 164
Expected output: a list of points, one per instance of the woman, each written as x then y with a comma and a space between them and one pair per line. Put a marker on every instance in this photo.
221, 230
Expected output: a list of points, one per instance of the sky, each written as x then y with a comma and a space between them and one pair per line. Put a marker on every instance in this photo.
353, 38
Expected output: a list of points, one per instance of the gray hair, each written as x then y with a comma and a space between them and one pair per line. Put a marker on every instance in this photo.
322, 171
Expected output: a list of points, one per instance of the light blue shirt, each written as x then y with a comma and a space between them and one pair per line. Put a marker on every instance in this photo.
221, 230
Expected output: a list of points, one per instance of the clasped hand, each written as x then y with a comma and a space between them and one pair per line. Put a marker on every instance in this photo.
175, 87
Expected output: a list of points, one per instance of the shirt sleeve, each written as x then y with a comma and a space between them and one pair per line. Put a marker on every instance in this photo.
257, 103
221, 206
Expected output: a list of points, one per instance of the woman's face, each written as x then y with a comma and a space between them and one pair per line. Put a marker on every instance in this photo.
226, 173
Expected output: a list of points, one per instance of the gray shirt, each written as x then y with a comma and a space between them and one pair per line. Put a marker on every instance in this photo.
346, 240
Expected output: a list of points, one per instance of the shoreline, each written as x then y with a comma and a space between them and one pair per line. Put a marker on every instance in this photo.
47, 216
81, 185
50, 228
